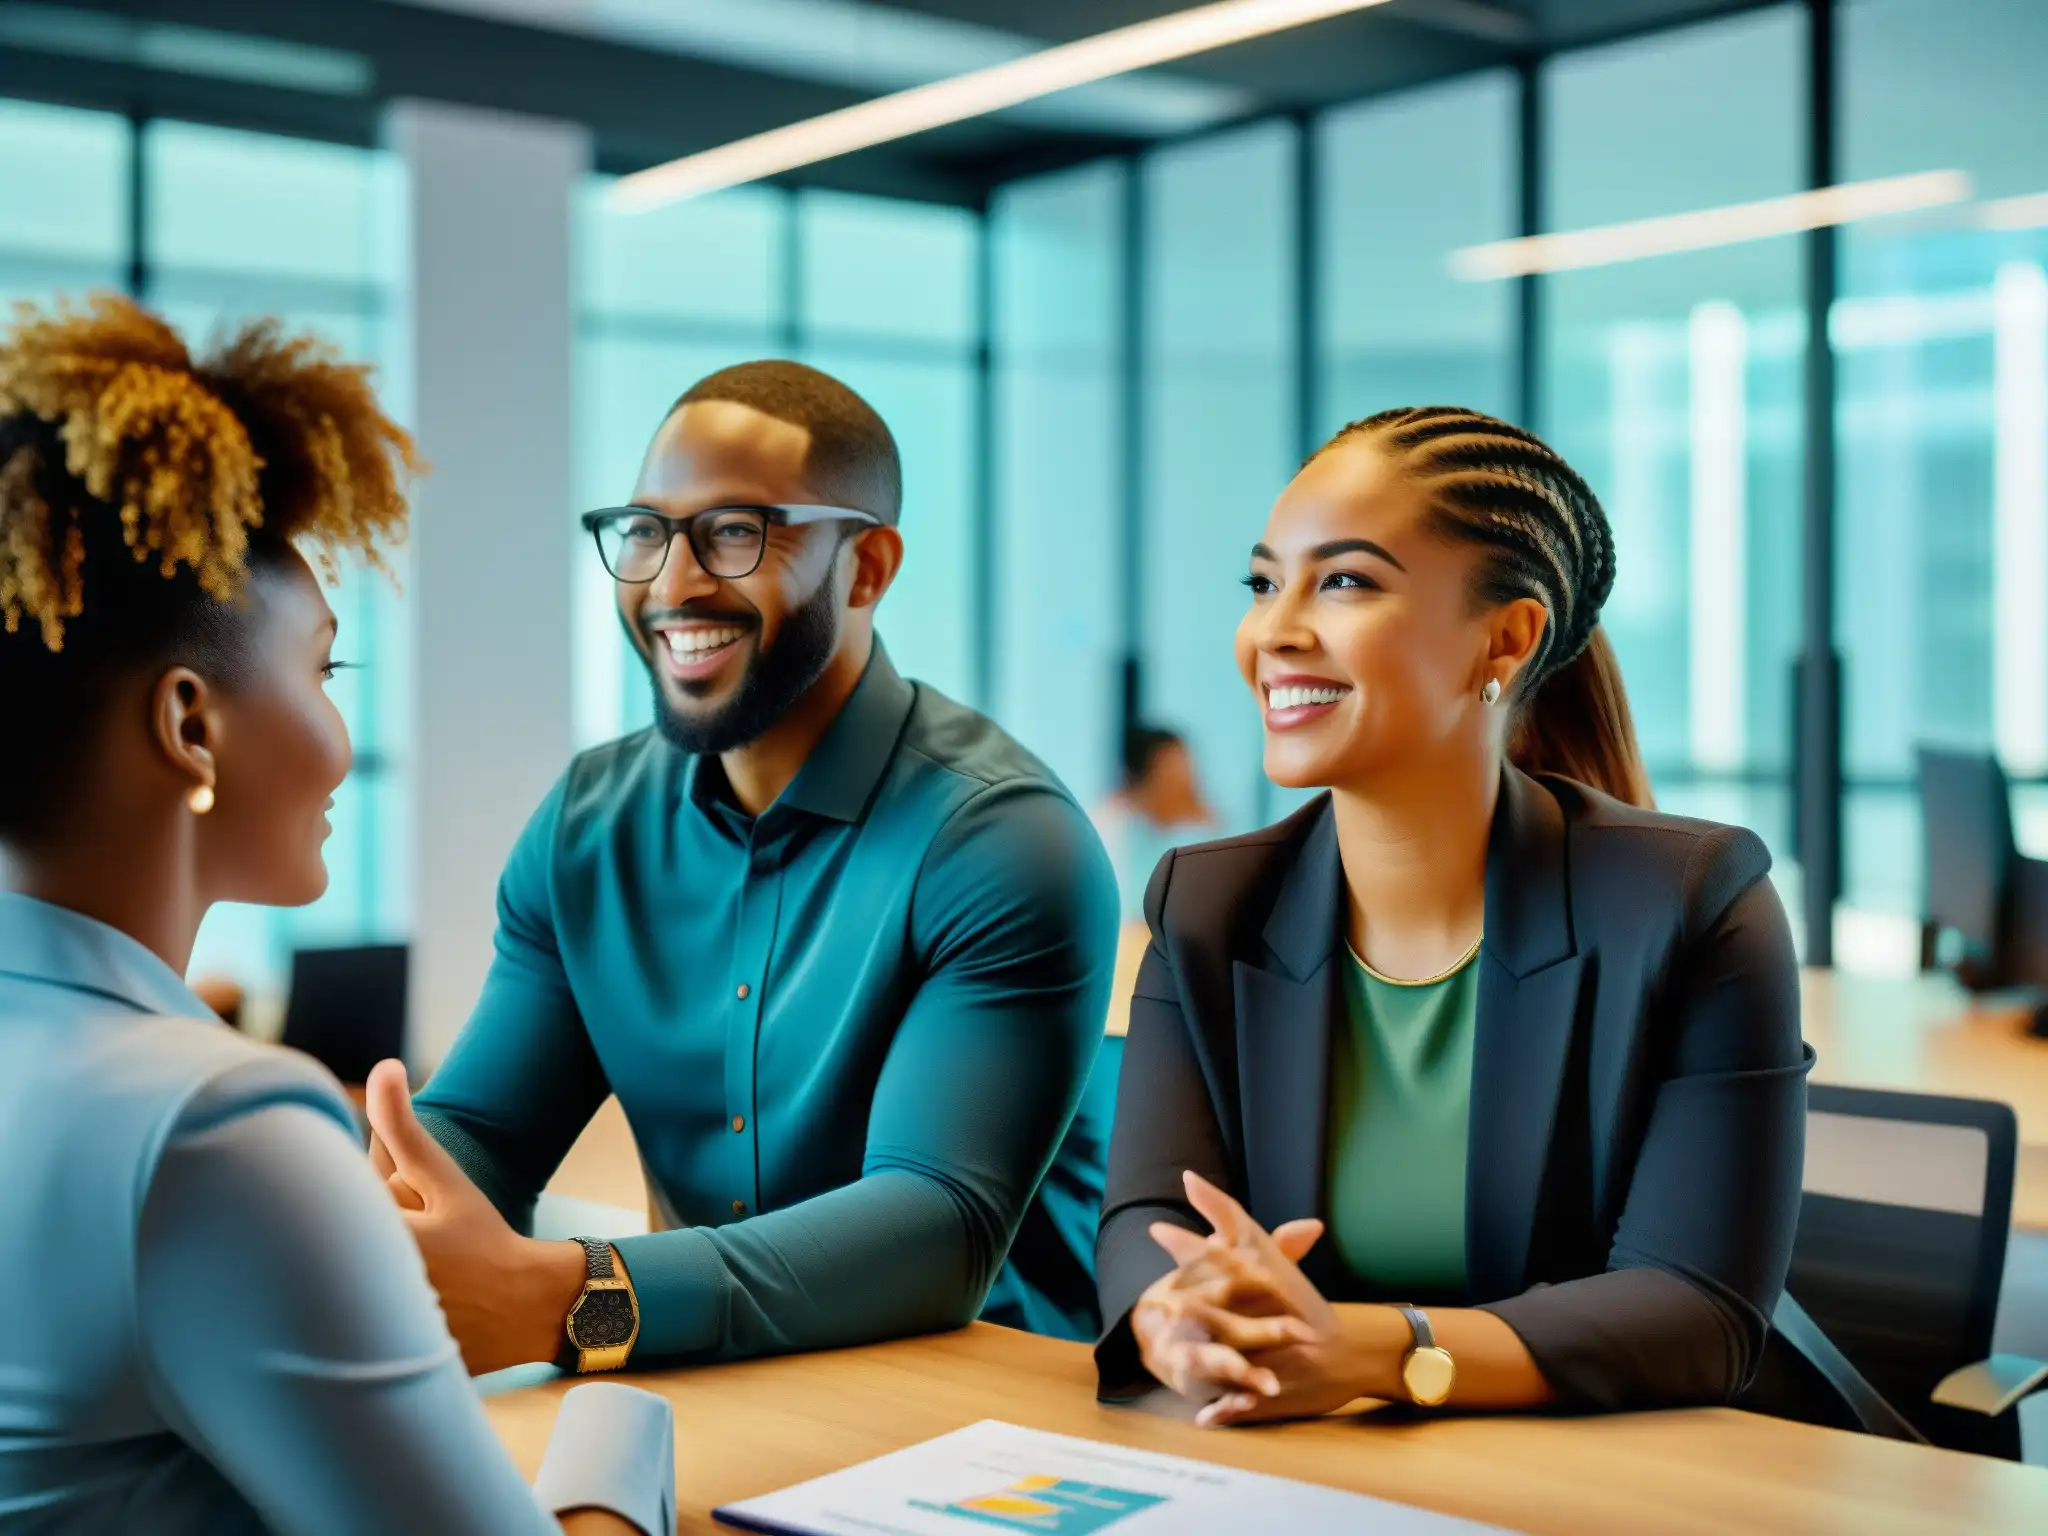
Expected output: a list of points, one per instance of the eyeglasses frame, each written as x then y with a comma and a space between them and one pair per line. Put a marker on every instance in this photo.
783, 514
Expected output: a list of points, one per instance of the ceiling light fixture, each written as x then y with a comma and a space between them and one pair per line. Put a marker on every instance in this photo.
176, 49
870, 47
974, 94
2028, 212
1708, 227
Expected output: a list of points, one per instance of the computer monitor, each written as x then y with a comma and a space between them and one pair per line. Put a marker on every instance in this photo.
346, 1008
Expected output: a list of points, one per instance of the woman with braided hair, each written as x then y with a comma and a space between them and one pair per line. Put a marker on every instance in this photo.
218, 1321
1477, 1082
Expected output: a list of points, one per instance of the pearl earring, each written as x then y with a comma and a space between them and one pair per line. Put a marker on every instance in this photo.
1490, 694
200, 801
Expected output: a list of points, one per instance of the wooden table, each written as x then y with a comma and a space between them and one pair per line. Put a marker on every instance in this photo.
744, 1430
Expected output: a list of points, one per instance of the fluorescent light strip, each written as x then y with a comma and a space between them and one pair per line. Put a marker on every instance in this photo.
201, 51
869, 48
2029, 212
975, 94
1707, 227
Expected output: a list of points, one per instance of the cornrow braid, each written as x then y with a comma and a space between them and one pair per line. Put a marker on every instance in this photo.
1493, 484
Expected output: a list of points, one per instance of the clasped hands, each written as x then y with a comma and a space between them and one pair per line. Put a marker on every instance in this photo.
1239, 1328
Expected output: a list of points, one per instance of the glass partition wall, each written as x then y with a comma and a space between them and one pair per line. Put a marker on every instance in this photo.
1101, 380
1296, 274
1673, 385
212, 226
1941, 424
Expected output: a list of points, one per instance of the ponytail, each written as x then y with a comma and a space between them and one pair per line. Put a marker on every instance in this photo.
1577, 724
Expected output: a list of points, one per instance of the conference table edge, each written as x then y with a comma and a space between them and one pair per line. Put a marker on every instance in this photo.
747, 1428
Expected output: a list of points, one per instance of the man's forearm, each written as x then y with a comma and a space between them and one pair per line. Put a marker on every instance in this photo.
893, 1254
511, 1195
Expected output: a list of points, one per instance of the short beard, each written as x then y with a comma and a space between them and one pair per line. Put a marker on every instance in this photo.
777, 678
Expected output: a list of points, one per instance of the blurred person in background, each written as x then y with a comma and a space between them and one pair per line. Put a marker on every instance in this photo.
841, 948
1157, 805
217, 1321
1477, 1083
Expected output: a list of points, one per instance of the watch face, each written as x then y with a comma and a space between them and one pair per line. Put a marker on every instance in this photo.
602, 1320
1428, 1374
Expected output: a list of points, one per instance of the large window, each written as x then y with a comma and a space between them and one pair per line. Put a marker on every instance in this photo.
236, 225
1942, 422
663, 299
881, 294
1673, 384
891, 304
1220, 432
240, 225
64, 181
1144, 396
1059, 468
1394, 327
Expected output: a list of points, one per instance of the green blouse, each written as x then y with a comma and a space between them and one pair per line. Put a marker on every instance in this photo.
1400, 1099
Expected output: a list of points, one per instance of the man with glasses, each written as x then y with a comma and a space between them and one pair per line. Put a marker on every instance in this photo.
841, 948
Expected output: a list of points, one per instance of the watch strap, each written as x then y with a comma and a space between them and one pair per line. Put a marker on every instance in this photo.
1427, 1370
600, 1273
598, 1254
1418, 1325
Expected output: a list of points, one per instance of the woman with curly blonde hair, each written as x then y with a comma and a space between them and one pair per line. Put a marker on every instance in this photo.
217, 1319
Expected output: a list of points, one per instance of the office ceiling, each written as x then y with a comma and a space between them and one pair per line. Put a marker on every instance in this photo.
659, 78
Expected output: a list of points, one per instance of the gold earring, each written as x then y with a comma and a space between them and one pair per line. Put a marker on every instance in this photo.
200, 801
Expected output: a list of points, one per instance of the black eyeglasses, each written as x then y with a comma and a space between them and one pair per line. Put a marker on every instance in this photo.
728, 542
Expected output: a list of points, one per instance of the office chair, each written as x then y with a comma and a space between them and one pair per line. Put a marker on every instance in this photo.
346, 1008
1899, 1257
1979, 886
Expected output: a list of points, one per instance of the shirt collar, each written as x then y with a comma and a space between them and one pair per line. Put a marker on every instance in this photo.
839, 778
53, 944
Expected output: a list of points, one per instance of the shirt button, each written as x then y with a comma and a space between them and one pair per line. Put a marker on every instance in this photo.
739, 1207
744, 991
739, 1123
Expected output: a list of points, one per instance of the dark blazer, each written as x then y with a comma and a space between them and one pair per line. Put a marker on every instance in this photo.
1638, 1108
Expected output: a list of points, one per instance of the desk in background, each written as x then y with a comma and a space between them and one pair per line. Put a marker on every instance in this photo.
747, 1429
1924, 1034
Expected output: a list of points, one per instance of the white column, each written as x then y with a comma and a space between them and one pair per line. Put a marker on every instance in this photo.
484, 361
2019, 519
1718, 347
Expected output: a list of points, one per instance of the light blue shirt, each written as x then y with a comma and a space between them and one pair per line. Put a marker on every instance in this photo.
216, 1321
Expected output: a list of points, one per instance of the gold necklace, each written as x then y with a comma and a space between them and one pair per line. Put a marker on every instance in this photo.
1427, 981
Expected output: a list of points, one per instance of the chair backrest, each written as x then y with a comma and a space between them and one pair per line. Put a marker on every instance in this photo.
1966, 828
1901, 1244
347, 1007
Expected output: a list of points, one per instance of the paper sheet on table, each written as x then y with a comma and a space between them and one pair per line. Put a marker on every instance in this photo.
993, 1476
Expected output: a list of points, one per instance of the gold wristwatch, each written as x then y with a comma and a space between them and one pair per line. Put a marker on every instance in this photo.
1427, 1371
605, 1321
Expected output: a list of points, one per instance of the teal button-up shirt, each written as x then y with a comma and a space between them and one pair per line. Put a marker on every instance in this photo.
849, 1035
